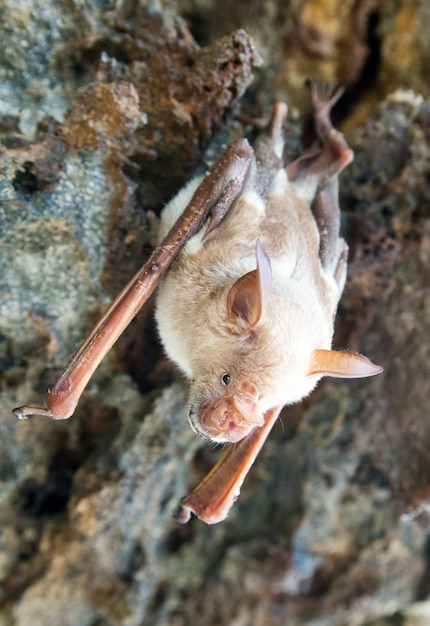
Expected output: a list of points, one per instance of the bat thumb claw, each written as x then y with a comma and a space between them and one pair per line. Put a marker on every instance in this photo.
26, 412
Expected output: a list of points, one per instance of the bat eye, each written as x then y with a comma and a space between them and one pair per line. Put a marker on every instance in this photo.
226, 378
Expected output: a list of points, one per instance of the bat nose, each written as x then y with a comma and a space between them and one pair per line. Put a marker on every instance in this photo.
233, 418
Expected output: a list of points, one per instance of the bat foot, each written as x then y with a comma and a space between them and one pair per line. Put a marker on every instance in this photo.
324, 97
323, 100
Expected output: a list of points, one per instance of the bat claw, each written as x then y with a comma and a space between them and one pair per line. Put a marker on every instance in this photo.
27, 412
183, 514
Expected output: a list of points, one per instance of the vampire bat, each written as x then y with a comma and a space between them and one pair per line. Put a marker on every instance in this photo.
253, 268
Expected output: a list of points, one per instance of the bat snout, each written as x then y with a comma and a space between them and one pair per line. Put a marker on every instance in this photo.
228, 419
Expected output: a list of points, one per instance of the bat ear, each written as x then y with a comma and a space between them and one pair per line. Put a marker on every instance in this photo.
248, 296
342, 364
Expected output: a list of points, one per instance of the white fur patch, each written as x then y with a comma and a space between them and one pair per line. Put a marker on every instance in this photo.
306, 187
194, 244
280, 183
252, 197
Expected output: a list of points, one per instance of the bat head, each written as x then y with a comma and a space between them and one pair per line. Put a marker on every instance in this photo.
229, 398
227, 410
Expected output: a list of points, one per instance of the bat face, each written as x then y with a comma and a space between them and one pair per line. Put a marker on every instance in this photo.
249, 353
247, 309
225, 417
228, 402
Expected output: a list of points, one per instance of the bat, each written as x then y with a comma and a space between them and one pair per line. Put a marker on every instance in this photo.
253, 268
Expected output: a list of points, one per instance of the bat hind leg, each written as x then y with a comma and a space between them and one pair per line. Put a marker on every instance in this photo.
269, 148
335, 153
274, 130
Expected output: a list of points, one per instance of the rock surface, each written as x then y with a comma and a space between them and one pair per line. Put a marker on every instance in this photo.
104, 113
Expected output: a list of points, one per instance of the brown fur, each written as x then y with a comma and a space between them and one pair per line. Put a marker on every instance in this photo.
214, 323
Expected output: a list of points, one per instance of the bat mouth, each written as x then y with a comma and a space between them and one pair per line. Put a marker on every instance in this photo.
227, 420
